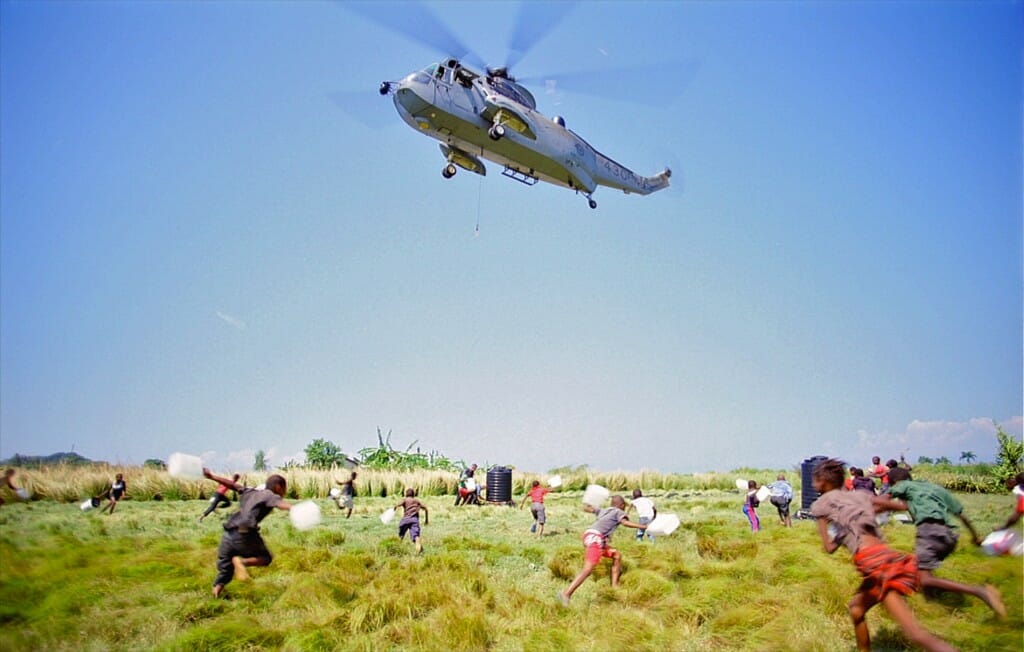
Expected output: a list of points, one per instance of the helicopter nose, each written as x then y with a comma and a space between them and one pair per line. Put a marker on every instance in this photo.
408, 100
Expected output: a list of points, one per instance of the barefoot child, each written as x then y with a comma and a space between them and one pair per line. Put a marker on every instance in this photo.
410, 522
241, 544
536, 498
932, 508
888, 575
596, 539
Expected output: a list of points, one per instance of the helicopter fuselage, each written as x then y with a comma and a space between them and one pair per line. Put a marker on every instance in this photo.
492, 117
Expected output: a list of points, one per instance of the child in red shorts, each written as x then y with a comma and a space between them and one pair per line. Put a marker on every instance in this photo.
595, 540
888, 575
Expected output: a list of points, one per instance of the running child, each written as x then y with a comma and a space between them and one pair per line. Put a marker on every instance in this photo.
348, 493
241, 545
932, 508
888, 575
781, 497
118, 491
645, 511
595, 540
750, 505
219, 496
411, 507
536, 498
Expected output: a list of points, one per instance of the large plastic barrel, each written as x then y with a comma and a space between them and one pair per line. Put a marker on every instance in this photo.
499, 485
808, 494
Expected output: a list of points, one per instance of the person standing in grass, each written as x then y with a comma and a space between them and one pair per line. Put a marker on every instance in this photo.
411, 508
241, 545
880, 471
781, 497
750, 505
348, 493
645, 511
932, 508
219, 496
595, 541
888, 575
536, 498
118, 491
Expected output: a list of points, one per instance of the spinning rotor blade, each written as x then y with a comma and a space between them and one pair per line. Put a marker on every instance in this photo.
416, 22
365, 107
533, 23
653, 85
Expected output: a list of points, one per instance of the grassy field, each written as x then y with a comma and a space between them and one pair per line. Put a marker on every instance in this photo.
140, 579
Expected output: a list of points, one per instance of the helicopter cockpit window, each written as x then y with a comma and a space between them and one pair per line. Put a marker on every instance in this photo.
513, 91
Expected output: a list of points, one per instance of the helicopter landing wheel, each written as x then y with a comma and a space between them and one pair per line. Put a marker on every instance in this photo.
592, 203
448, 172
496, 132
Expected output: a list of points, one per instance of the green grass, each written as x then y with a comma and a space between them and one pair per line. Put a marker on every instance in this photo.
140, 579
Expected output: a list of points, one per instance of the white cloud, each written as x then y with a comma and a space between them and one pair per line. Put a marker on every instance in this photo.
935, 439
232, 321
242, 460
1014, 426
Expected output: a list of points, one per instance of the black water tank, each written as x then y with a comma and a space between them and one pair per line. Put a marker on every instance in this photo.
808, 494
499, 485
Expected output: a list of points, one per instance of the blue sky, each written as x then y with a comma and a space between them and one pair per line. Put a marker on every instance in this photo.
201, 252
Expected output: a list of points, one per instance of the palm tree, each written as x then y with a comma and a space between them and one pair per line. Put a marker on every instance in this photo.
967, 456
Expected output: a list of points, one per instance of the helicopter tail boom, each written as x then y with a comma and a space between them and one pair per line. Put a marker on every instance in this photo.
612, 175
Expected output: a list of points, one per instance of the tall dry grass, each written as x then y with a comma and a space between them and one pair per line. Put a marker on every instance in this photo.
67, 484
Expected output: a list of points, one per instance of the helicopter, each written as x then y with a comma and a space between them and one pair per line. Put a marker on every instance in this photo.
489, 115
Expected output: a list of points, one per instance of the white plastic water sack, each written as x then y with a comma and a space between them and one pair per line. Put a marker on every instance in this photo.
387, 516
595, 495
470, 484
305, 515
663, 525
763, 494
741, 484
23, 493
1003, 542
87, 505
335, 492
555, 481
186, 467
